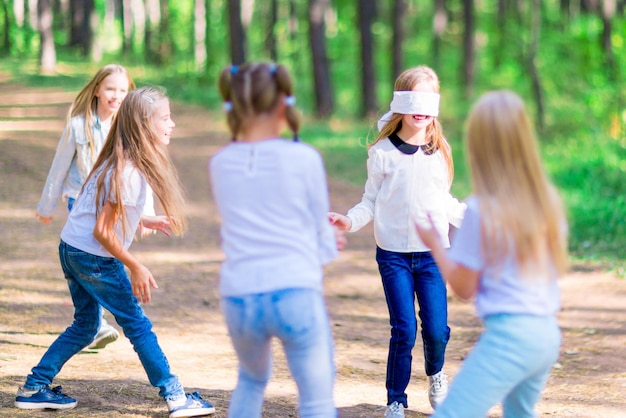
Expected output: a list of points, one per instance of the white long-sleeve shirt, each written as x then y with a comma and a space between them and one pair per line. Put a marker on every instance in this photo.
272, 197
402, 189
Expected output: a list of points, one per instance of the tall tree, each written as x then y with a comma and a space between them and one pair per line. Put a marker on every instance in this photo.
81, 31
367, 14
533, 47
199, 34
270, 38
165, 44
127, 26
237, 34
468, 47
321, 68
440, 19
6, 29
397, 38
607, 12
47, 52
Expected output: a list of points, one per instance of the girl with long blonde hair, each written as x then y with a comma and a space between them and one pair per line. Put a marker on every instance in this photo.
507, 255
94, 253
409, 173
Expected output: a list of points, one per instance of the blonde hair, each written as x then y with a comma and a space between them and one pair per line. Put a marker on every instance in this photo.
519, 206
434, 132
133, 139
86, 102
254, 89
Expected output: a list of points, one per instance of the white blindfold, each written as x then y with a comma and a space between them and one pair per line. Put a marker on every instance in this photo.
411, 103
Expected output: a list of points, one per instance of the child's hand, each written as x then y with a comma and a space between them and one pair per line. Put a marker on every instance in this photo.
340, 238
341, 222
428, 234
141, 280
151, 224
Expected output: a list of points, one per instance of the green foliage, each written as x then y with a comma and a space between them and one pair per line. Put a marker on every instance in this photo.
584, 140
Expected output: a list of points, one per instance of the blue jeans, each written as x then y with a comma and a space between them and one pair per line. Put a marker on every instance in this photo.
405, 276
94, 281
510, 363
298, 318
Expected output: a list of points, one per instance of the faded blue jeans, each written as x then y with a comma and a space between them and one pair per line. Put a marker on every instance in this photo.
94, 281
510, 363
406, 276
298, 318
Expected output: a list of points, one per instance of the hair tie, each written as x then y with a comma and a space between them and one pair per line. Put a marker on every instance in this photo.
147, 98
234, 69
290, 100
273, 69
227, 105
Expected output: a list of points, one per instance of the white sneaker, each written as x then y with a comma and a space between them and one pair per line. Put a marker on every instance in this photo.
105, 336
438, 389
395, 410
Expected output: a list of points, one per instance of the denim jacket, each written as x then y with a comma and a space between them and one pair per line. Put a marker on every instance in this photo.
71, 164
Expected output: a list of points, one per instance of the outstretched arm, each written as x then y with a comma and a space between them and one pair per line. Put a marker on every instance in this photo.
339, 221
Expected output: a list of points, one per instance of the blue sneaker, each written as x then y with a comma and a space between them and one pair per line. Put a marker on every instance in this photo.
192, 405
44, 398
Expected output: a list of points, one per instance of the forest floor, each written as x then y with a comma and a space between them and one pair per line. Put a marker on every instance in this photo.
588, 381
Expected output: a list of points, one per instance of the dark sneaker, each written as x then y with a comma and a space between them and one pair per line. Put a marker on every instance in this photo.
44, 398
191, 406
105, 336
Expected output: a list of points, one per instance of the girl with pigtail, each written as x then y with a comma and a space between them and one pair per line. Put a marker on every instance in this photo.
272, 197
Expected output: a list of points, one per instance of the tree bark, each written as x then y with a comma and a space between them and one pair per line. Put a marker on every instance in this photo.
321, 69
47, 52
397, 39
468, 47
199, 34
6, 32
532, 66
237, 34
367, 14
81, 33
270, 38
440, 19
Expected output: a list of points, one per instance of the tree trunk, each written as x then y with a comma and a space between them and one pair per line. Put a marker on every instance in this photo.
532, 65
47, 53
468, 47
440, 20
81, 33
321, 69
270, 38
199, 34
237, 34
126, 20
397, 39
6, 32
367, 14
608, 12
165, 46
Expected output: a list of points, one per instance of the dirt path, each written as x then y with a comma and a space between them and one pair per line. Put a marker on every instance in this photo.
589, 380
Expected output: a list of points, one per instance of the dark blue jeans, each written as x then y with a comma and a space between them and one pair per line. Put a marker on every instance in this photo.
405, 276
100, 281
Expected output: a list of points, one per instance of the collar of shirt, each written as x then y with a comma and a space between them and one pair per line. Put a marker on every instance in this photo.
409, 149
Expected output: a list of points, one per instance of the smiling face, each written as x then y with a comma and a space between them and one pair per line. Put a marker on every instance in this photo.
417, 123
162, 120
110, 93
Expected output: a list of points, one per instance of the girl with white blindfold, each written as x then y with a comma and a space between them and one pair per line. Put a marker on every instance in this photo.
410, 171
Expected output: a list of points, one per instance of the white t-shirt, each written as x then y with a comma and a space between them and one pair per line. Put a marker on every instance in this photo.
78, 230
272, 197
402, 189
502, 289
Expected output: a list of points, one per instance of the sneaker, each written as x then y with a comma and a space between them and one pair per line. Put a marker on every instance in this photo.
395, 410
192, 405
438, 389
105, 336
44, 398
